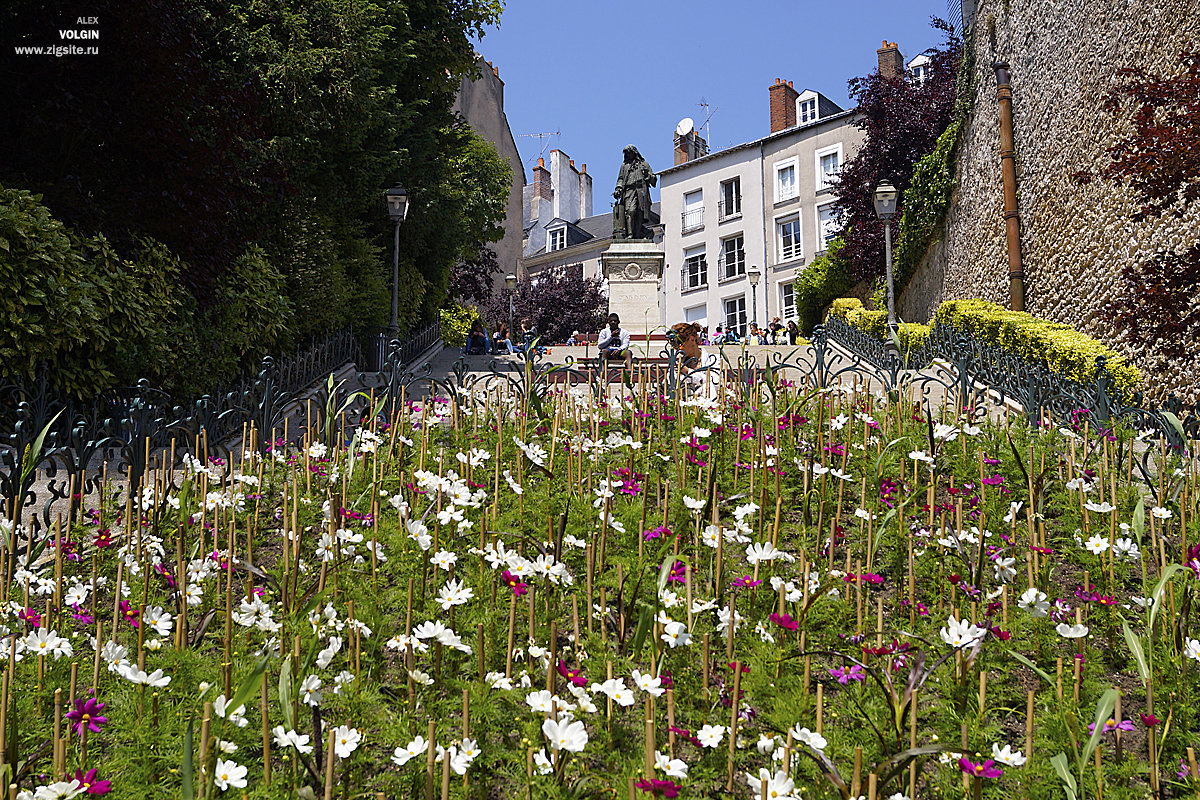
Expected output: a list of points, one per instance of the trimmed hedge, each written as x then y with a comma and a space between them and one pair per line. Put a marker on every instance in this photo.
843, 306
912, 335
1064, 349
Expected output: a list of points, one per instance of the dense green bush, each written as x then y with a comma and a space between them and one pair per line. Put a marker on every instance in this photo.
456, 323
1064, 349
820, 283
925, 204
96, 318
912, 335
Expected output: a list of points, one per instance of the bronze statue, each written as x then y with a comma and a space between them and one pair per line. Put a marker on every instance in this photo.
631, 212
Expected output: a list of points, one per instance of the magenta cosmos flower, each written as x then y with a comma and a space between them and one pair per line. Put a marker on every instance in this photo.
91, 784
987, 769
846, 674
657, 788
87, 714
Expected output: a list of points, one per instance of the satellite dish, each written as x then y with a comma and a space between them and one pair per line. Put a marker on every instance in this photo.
684, 127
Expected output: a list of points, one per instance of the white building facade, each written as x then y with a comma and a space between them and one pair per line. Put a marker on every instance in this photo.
765, 204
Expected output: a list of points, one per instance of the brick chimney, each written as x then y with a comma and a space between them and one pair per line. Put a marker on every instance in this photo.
689, 146
891, 62
783, 105
541, 181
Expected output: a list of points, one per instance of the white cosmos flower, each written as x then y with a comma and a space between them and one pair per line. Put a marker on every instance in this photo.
571, 736
692, 503
1100, 508
648, 683
776, 787
711, 735
414, 749
229, 774
1159, 512
1071, 631
286, 738
454, 593
961, 634
1097, 544
1008, 756
1191, 649
1034, 602
345, 740
673, 767
676, 634
814, 740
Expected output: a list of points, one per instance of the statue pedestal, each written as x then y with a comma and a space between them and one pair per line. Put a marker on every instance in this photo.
634, 272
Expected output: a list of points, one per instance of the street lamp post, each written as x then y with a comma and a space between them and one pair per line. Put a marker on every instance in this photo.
510, 282
754, 273
885, 208
397, 202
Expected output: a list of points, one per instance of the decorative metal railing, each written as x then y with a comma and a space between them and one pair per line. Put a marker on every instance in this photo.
131, 430
1043, 394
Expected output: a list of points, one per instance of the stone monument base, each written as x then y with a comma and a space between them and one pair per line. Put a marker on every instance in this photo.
634, 271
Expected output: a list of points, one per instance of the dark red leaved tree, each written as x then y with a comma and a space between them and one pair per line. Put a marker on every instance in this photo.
1157, 304
556, 301
472, 280
902, 120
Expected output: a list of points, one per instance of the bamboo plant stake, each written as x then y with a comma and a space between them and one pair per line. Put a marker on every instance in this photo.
733, 720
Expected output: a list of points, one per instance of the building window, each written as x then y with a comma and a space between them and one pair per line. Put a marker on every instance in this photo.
730, 204
558, 239
829, 161
918, 75
787, 238
787, 299
786, 186
733, 258
695, 269
693, 211
735, 314
696, 314
827, 227
808, 110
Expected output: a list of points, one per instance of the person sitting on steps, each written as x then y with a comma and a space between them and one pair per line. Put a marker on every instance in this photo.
613, 343
477, 342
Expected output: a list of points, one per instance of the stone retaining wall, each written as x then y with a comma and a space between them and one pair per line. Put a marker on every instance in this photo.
1064, 56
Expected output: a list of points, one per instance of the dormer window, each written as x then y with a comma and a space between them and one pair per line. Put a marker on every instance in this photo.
558, 239
808, 110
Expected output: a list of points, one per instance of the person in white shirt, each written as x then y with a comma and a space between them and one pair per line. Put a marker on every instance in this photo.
613, 343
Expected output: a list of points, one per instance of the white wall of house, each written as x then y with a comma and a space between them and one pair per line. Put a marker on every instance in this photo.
779, 222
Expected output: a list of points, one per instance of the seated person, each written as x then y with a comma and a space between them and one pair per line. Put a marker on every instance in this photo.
793, 332
686, 337
613, 343
477, 343
500, 341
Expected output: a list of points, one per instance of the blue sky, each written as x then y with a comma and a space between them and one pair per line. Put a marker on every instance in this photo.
620, 72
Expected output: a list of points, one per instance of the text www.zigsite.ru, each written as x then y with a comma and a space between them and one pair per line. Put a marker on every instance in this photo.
59, 50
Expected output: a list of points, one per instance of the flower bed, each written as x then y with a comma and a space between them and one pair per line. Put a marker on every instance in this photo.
800, 593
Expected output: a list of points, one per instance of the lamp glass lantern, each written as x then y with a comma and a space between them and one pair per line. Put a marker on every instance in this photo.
397, 201
886, 197
510, 281
754, 274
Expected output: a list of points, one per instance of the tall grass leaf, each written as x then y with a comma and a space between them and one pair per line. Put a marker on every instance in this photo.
285, 694
1139, 520
1043, 675
1059, 762
1156, 595
186, 769
1104, 710
1135, 646
249, 684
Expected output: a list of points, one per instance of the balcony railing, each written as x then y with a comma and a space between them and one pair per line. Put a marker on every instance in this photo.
730, 208
693, 219
731, 268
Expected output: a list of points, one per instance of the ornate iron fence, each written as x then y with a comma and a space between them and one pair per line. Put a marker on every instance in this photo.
952, 357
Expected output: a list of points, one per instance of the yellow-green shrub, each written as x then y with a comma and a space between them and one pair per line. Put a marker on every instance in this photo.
842, 306
1064, 349
456, 324
912, 335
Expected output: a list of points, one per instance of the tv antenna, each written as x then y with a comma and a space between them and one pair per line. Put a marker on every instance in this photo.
541, 137
708, 114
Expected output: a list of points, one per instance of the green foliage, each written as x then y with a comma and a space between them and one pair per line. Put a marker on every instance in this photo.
912, 335
456, 324
1064, 349
821, 282
925, 204
843, 306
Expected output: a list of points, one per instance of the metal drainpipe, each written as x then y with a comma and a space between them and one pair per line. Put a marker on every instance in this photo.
1008, 165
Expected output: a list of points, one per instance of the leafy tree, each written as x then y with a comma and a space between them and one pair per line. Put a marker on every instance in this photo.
472, 279
1158, 304
556, 301
902, 120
